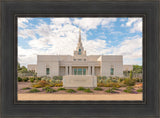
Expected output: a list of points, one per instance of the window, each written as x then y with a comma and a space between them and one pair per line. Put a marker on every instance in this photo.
84, 71
79, 52
47, 71
79, 71
112, 71
74, 59
75, 71
84, 59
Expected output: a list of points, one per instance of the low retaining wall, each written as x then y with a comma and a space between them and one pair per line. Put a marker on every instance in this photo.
79, 81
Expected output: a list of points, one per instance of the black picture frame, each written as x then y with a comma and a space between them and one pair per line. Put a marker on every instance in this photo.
148, 10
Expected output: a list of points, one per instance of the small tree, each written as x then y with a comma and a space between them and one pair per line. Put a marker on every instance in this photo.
131, 74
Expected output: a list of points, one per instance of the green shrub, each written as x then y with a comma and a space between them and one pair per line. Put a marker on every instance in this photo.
114, 88
26, 88
34, 90
129, 89
110, 91
131, 74
140, 90
31, 79
71, 91
129, 82
80, 88
98, 77
98, 89
38, 78
25, 79
45, 88
59, 89
19, 79
50, 90
58, 85
37, 86
120, 80
104, 77
88, 90
57, 77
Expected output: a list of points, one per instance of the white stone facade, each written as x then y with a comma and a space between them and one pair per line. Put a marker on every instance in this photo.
79, 64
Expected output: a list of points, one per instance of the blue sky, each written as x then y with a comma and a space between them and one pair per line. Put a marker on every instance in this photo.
100, 36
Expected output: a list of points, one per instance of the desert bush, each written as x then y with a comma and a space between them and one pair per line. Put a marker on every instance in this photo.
34, 90
45, 88
129, 82
80, 88
58, 85
57, 77
140, 90
114, 88
129, 89
131, 74
110, 90
41, 83
59, 89
104, 77
25, 79
71, 91
38, 78
45, 78
32, 79
49, 90
26, 88
88, 90
37, 86
19, 79
98, 89
120, 80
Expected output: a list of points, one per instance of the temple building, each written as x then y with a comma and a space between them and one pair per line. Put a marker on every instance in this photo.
78, 64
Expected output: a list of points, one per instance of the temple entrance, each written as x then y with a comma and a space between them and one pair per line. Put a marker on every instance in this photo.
79, 71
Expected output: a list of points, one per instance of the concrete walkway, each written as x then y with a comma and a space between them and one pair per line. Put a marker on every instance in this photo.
92, 97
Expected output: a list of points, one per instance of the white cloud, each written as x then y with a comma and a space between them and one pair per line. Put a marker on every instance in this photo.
22, 21
123, 19
87, 23
108, 22
92, 23
25, 33
135, 24
122, 25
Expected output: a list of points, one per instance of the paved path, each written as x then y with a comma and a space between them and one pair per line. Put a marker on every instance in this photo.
92, 97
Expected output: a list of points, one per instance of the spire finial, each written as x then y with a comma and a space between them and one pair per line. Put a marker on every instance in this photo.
79, 35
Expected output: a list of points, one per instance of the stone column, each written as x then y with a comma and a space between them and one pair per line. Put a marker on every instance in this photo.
93, 70
70, 70
89, 70
66, 70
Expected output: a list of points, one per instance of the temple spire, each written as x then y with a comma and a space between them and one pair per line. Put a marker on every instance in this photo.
79, 35
79, 50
